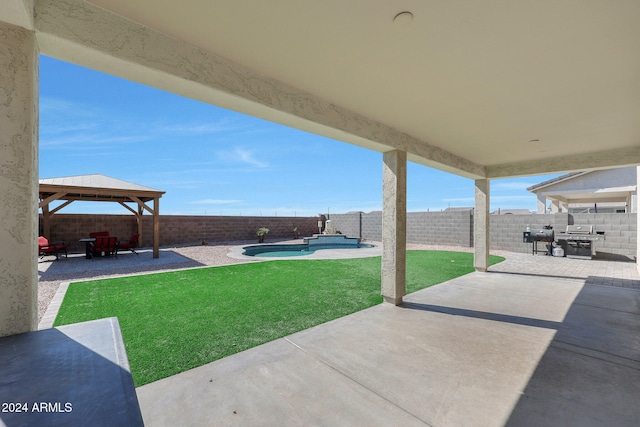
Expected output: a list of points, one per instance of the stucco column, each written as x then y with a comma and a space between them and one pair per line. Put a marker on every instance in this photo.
394, 226
542, 204
18, 180
637, 219
481, 226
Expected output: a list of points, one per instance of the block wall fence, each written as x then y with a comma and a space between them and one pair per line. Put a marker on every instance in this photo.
456, 229
434, 228
177, 229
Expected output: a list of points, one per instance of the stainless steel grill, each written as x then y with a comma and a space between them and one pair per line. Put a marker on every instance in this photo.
578, 241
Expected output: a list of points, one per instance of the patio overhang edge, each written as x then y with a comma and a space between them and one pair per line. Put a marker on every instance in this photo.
84, 34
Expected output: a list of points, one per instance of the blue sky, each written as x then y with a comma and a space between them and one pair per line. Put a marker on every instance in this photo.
212, 161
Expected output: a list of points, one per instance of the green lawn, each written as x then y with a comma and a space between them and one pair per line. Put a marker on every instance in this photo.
179, 320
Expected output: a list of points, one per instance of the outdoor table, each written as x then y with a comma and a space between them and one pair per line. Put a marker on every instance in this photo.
87, 241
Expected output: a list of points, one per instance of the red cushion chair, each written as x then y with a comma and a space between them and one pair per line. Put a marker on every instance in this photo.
131, 244
45, 247
104, 245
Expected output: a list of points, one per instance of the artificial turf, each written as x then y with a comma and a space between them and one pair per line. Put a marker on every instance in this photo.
175, 321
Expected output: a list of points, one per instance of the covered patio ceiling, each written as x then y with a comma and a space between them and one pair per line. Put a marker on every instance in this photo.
482, 89
485, 90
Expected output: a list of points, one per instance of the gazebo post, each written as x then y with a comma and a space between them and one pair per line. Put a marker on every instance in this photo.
139, 220
156, 227
46, 222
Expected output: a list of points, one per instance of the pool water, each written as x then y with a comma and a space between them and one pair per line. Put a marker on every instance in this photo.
276, 251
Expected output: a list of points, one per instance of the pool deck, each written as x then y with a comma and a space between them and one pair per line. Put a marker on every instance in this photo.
535, 341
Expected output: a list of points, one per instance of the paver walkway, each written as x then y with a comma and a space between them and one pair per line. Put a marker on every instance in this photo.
597, 272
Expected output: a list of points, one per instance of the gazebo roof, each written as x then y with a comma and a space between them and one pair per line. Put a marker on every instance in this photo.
100, 188
95, 187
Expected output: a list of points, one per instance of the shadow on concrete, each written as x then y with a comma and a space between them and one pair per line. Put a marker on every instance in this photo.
72, 375
517, 320
590, 373
612, 281
589, 280
78, 267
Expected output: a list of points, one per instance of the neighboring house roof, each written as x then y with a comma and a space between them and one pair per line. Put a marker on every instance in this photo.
459, 209
615, 186
535, 188
511, 212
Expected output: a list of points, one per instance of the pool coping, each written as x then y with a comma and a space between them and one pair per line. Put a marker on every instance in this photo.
342, 253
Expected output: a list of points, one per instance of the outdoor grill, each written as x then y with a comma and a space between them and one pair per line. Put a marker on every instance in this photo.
578, 241
539, 235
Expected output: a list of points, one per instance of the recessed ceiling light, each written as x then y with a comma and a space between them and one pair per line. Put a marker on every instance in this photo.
403, 18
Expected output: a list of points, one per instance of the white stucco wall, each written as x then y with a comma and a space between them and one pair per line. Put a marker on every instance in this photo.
18, 180
597, 183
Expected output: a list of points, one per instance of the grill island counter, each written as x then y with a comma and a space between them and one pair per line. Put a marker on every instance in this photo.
578, 241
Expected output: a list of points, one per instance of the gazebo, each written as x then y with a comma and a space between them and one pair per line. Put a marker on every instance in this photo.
100, 188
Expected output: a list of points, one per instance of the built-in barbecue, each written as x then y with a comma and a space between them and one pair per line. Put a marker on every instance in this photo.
578, 241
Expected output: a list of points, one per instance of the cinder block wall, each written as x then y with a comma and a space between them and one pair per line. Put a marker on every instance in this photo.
456, 228
506, 230
437, 228
444, 228
71, 228
440, 228
175, 229
620, 233
349, 224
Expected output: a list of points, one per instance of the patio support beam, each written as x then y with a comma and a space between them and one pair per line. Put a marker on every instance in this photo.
638, 218
57, 208
18, 180
542, 203
394, 226
481, 225
50, 199
86, 34
127, 207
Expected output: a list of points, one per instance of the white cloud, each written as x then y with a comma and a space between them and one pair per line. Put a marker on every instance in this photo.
200, 128
247, 156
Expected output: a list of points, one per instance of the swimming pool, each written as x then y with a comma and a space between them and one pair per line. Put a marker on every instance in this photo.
299, 249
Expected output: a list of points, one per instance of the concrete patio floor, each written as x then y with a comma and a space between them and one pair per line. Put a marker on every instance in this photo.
538, 341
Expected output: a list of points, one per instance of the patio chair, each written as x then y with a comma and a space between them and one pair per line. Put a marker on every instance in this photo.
45, 247
104, 245
131, 244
